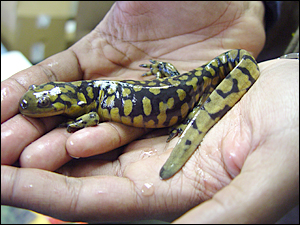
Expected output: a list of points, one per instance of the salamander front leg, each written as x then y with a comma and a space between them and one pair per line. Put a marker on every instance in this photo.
86, 120
160, 69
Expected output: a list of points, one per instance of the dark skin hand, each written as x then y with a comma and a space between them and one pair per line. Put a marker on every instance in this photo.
252, 154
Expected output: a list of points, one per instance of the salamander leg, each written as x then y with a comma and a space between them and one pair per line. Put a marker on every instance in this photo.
178, 129
86, 120
160, 69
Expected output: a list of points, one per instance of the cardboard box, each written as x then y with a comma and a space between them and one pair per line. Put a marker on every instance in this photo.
35, 28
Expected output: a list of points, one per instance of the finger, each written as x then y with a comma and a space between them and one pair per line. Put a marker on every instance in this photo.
48, 152
75, 199
20, 131
130, 158
102, 138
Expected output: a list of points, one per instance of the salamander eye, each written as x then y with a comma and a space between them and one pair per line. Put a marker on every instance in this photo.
43, 102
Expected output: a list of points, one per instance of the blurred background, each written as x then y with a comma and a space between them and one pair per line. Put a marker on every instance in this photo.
34, 30
40, 29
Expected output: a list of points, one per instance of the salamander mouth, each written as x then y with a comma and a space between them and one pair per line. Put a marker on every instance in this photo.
39, 114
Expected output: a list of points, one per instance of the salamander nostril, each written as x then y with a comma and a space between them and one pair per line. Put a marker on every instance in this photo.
24, 104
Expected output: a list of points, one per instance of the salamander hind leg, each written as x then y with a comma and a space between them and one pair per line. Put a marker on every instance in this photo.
160, 69
178, 129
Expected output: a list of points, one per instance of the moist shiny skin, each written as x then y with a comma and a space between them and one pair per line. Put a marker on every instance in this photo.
192, 101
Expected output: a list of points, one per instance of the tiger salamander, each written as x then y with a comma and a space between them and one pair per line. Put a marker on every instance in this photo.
193, 101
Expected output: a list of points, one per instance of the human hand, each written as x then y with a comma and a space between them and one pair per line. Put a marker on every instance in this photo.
115, 49
129, 35
260, 150
252, 153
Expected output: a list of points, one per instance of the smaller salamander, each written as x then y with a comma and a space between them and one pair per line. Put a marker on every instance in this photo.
193, 101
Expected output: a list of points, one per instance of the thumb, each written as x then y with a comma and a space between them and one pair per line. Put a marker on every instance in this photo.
263, 192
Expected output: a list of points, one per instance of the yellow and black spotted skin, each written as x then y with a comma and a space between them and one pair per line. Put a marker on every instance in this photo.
193, 101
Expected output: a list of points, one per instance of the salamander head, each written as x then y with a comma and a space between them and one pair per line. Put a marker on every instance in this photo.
42, 101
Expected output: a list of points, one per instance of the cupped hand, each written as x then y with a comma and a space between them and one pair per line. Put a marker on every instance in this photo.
124, 183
